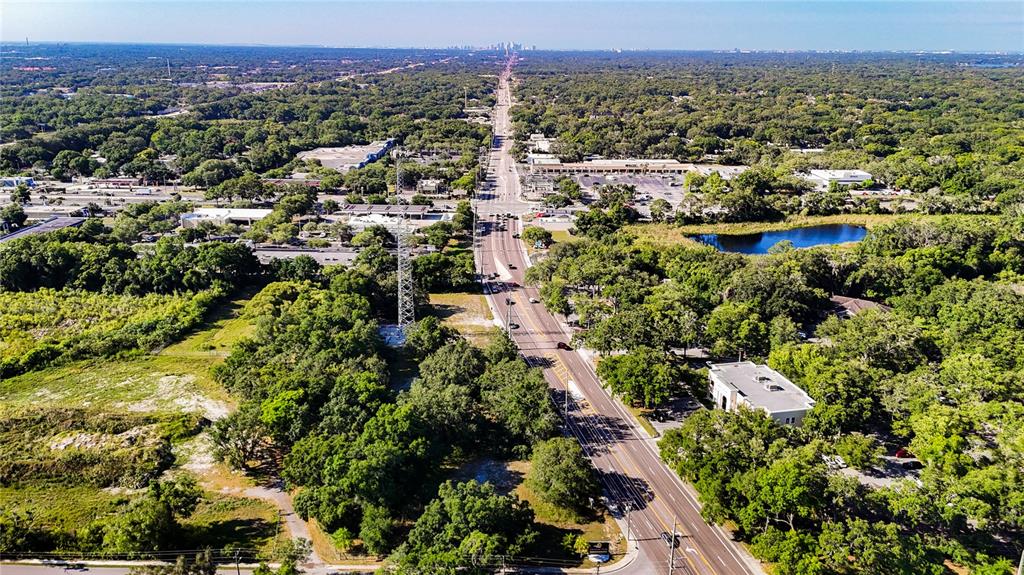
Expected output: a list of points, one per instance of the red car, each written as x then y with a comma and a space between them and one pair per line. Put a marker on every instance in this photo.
903, 452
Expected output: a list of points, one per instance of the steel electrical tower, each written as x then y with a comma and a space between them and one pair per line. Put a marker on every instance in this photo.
406, 288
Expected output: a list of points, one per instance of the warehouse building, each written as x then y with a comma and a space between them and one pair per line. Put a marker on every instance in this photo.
348, 157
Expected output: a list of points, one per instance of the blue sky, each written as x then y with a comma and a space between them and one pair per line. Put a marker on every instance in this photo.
628, 24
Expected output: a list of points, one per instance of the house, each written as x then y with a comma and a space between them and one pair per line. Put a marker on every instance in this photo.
758, 386
847, 307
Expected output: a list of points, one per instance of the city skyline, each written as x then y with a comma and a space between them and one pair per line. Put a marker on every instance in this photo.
879, 25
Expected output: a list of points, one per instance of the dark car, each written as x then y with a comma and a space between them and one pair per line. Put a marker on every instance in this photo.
669, 539
912, 464
563, 345
513, 326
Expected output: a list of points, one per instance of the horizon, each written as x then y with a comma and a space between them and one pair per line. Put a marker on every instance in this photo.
973, 26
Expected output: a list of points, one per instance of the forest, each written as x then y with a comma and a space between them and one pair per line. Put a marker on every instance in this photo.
938, 372
73, 121
936, 125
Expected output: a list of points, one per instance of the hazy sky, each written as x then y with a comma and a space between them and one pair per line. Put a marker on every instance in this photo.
690, 25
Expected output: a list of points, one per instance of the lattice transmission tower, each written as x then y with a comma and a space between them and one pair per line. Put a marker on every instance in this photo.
406, 288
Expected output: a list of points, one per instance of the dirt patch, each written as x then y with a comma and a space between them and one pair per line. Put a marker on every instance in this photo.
178, 389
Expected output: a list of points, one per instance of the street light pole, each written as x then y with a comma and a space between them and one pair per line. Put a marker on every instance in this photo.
629, 508
672, 549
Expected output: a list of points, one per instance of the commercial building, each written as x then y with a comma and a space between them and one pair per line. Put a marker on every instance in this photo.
758, 386
115, 182
431, 187
221, 216
539, 143
546, 164
52, 224
15, 181
348, 157
824, 178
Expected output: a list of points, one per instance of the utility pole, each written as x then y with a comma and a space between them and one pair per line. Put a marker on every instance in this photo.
629, 525
672, 549
1020, 566
406, 289
237, 571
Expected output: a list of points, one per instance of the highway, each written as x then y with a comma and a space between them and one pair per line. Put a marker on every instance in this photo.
633, 475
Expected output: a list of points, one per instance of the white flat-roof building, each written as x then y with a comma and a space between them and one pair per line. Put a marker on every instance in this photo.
221, 216
758, 387
823, 178
348, 157
539, 143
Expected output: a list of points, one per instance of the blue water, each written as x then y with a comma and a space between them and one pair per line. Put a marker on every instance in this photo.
801, 238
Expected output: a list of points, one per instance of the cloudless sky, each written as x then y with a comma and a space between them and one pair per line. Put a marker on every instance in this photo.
969, 25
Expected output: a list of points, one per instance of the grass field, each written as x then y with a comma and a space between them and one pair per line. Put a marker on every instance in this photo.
561, 236
221, 520
467, 313
176, 379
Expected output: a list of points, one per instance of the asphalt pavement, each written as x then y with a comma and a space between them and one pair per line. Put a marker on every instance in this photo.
641, 490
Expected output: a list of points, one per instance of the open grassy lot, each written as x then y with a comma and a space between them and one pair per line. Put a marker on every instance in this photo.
175, 379
221, 520
94, 404
467, 313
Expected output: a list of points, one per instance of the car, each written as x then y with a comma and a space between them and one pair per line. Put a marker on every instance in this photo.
510, 266
903, 452
534, 300
670, 539
563, 345
690, 404
513, 325
912, 464
516, 236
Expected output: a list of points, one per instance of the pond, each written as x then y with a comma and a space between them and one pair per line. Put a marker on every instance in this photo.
759, 243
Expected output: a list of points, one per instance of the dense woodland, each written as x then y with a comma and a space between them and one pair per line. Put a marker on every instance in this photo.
941, 125
941, 374
98, 112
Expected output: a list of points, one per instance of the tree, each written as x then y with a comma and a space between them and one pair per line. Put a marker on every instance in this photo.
376, 530
428, 335
874, 548
536, 235
12, 217
562, 475
642, 375
660, 210
516, 398
466, 525
735, 329
21, 194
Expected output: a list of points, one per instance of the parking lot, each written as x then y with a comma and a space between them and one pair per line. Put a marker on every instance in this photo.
668, 187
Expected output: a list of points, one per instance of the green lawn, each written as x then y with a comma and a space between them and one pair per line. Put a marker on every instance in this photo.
49, 504
175, 379
467, 313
